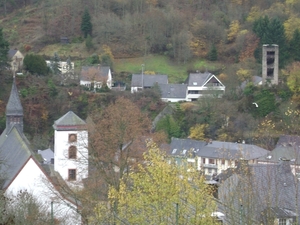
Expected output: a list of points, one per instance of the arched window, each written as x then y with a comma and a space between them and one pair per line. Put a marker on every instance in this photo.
72, 152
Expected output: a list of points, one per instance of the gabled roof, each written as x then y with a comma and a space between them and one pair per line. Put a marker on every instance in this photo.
94, 73
47, 155
11, 53
14, 153
229, 150
69, 121
288, 140
260, 186
255, 80
173, 90
184, 147
14, 106
148, 80
201, 79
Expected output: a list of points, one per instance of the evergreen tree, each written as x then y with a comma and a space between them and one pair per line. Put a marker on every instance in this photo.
35, 64
271, 32
4, 48
55, 66
295, 46
86, 24
89, 43
213, 53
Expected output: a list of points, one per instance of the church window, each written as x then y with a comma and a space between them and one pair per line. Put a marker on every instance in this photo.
72, 152
72, 174
72, 137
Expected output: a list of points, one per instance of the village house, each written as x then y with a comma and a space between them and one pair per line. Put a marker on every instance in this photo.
16, 60
93, 77
213, 157
145, 81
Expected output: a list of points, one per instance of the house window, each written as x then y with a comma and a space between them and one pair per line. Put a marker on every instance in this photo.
211, 161
203, 160
72, 152
72, 174
223, 161
282, 222
72, 137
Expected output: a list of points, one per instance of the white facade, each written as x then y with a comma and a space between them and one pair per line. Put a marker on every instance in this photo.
64, 67
33, 180
66, 162
98, 83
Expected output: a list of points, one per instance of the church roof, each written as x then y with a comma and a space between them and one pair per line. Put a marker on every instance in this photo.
14, 106
14, 153
69, 121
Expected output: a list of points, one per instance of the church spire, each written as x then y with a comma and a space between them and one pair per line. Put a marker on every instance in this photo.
14, 110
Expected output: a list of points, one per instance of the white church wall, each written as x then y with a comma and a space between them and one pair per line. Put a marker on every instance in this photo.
32, 180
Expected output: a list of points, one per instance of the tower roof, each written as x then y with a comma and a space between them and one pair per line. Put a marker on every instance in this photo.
69, 121
14, 106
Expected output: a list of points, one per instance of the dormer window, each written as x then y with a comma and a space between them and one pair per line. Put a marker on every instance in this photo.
72, 137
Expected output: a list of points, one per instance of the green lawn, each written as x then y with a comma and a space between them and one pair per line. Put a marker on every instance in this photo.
160, 65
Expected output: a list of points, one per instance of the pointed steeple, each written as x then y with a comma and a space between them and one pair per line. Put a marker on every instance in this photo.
14, 110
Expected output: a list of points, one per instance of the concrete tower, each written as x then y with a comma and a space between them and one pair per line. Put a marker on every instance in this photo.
270, 62
70, 148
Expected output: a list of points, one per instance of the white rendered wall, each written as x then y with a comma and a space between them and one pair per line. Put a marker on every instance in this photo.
62, 163
34, 181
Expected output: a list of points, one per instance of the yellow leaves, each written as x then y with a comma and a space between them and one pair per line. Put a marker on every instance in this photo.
198, 47
198, 131
243, 74
293, 80
223, 77
149, 72
290, 26
233, 30
254, 14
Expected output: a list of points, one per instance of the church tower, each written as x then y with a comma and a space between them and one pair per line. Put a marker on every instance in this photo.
70, 148
14, 110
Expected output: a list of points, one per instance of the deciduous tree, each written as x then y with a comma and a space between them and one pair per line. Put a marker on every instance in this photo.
159, 193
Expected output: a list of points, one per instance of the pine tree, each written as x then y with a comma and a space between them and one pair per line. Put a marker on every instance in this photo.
213, 54
86, 24
55, 66
4, 48
295, 45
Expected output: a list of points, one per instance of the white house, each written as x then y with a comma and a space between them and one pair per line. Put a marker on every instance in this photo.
203, 84
64, 67
16, 60
22, 172
96, 76
70, 148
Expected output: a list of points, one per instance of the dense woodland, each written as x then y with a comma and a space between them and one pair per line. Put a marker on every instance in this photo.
228, 32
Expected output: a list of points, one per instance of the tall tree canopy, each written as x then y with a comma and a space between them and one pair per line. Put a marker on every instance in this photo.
86, 24
4, 48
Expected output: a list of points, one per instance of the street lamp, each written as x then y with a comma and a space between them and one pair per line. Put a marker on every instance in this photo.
143, 76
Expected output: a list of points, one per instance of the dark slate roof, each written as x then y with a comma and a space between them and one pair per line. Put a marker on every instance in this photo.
200, 79
282, 153
12, 52
288, 140
14, 106
173, 90
263, 185
47, 155
149, 80
229, 150
69, 121
184, 147
14, 153
255, 80
94, 73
